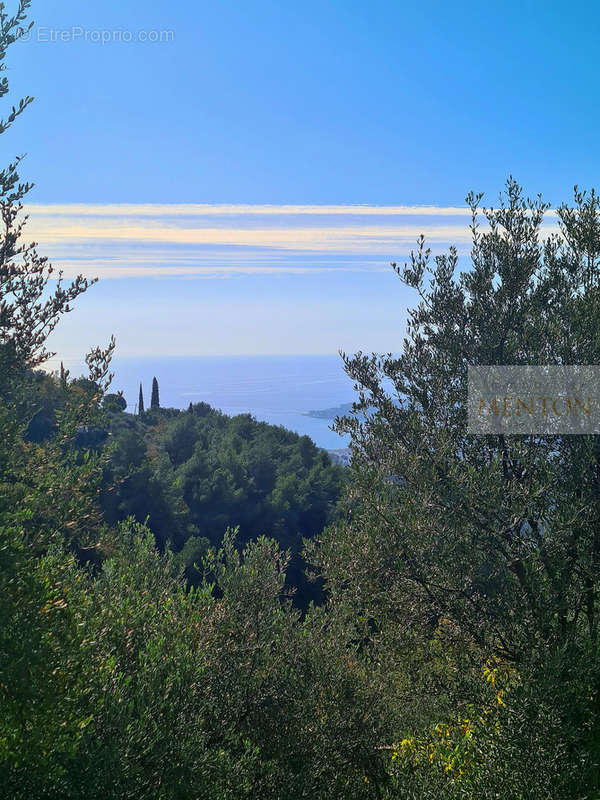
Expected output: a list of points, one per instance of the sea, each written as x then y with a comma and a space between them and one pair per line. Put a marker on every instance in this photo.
280, 390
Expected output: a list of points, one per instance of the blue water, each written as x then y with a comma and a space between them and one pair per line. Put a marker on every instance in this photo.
275, 389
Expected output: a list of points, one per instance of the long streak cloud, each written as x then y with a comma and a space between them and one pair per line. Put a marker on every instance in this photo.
128, 240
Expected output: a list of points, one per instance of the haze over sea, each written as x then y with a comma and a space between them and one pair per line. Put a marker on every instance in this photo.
275, 389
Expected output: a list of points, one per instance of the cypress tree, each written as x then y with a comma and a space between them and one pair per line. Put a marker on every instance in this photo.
63, 376
154, 400
141, 401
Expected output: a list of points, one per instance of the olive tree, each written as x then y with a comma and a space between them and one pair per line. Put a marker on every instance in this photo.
496, 537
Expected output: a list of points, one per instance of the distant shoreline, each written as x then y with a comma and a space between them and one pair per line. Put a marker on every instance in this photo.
330, 413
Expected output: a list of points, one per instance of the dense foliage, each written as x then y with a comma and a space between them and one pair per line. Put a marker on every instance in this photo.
192, 475
148, 652
494, 537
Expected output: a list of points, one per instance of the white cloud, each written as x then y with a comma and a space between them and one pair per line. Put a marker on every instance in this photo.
122, 240
216, 209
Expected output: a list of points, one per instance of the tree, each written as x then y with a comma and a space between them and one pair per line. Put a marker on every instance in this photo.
29, 307
497, 536
141, 401
64, 374
115, 402
48, 488
154, 400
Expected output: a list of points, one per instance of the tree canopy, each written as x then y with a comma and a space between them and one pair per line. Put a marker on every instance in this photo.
149, 645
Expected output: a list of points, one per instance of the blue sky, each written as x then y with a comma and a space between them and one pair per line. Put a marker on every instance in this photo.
269, 121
